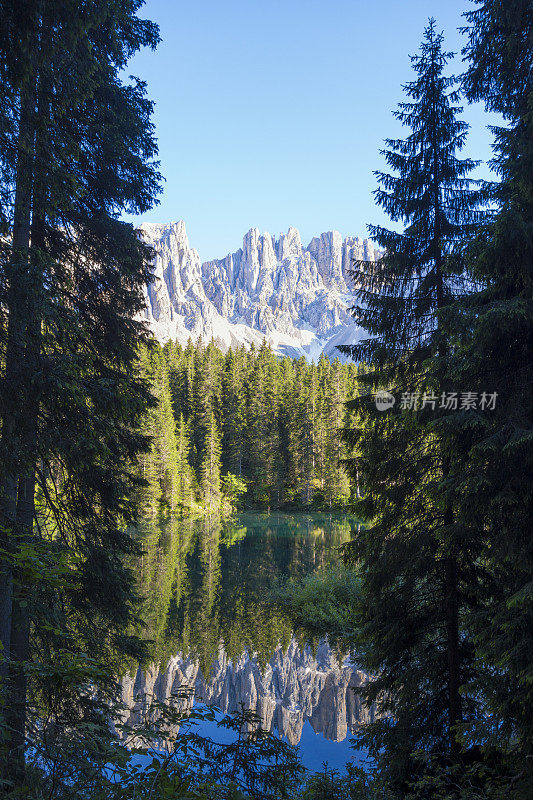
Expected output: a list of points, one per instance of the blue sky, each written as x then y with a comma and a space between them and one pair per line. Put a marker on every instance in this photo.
272, 113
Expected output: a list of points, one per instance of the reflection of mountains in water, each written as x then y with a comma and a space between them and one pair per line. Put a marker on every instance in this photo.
294, 687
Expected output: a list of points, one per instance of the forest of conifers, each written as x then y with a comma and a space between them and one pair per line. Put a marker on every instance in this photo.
246, 428
101, 428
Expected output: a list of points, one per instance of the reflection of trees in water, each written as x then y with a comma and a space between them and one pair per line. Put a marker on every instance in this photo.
205, 581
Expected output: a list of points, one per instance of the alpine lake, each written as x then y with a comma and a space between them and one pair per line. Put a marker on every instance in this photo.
214, 634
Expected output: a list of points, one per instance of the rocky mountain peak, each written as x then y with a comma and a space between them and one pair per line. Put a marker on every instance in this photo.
295, 297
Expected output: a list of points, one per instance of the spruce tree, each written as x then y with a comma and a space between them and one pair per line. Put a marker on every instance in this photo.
301, 434
149, 493
336, 481
322, 433
264, 463
159, 466
72, 278
285, 427
234, 412
414, 562
210, 465
494, 326
185, 476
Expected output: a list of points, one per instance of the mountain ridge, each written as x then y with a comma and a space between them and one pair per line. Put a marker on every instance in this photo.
296, 298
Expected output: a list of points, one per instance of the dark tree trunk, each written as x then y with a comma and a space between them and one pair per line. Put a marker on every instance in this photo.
28, 422
17, 309
452, 635
11, 445
16, 712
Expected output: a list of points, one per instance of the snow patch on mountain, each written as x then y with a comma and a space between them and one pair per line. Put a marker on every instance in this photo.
296, 298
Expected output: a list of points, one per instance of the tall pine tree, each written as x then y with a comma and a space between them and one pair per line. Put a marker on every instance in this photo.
413, 568
210, 465
72, 278
494, 327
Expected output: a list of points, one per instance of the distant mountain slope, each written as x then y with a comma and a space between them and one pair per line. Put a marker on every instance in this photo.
295, 297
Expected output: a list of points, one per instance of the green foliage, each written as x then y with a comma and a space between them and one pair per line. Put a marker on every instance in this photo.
354, 784
324, 604
71, 286
274, 424
494, 327
233, 488
210, 465
94, 431
164, 757
414, 560
446, 563
161, 468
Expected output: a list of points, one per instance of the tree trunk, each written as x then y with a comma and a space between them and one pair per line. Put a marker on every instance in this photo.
17, 310
452, 635
30, 391
16, 712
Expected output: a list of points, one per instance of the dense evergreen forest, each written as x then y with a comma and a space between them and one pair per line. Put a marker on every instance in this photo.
247, 428
100, 428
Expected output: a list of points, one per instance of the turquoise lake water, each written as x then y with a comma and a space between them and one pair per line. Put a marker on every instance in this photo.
206, 584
